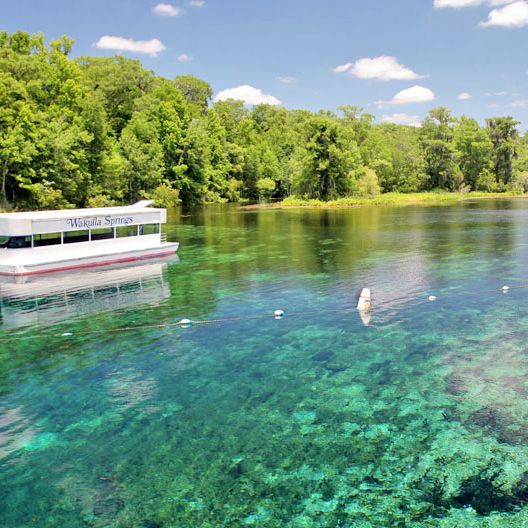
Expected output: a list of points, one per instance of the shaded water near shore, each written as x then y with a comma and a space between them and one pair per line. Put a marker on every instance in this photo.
317, 420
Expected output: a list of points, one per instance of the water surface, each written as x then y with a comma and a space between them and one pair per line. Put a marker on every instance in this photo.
415, 416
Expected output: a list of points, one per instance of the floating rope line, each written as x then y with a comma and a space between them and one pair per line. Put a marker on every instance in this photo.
183, 323
186, 323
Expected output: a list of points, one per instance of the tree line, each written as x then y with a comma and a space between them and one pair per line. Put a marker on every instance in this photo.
96, 131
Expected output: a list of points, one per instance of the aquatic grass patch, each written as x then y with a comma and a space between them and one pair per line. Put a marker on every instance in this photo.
386, 199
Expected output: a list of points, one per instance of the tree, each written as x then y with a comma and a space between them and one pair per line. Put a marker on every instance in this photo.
118, 82
439, 151
503, 134
396, 155
360, 122
473, 149
220, 155
105, 130
324, 164
143, 156
167, 111
198, 93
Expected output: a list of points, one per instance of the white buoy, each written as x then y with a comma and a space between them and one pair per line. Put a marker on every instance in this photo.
364, 300
505, 288
279, 314
432, 297
185, 323
66, 334
365, 317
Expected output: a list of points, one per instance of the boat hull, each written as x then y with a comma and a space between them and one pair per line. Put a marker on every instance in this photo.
87, 261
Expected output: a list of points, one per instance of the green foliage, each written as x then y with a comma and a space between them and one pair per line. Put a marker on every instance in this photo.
198, 93
44, 196
265, 188
439, 151
143, 155
486, 182
117, 82
164, 196
107, 130
473, 150
365, 182
324, 162
503, 133
99, 200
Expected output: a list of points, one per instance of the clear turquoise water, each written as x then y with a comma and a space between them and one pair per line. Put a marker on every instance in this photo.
418, 419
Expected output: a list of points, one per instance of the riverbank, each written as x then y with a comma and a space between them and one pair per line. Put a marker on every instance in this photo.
394, 199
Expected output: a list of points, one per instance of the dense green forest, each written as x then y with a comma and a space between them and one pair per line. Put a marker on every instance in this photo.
97, 131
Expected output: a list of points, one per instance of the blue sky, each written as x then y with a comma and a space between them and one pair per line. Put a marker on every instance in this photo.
396, 58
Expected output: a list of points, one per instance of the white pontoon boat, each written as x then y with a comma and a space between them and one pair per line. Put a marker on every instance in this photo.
48, 241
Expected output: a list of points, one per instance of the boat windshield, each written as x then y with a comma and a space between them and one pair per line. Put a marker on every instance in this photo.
3, 241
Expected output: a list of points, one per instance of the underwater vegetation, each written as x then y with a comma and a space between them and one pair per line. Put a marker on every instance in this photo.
315, 420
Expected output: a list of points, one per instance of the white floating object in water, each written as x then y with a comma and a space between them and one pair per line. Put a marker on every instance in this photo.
364, 300
365, 317
505, 288
66, 334
279, 314
432, 297
185, 323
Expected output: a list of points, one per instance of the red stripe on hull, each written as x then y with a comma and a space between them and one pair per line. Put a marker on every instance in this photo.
92, 264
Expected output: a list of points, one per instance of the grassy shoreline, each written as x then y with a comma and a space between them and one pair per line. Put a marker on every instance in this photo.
394, 199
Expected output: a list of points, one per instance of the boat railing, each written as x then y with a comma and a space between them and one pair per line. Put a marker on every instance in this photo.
163, 238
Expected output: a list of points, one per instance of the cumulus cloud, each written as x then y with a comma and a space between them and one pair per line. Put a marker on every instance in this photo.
151, 47
511, 15
402, 119
167, 10
385, 68
521, 103
464, 96
343, 67
197, 3
183, 57
286, 79
458, 4
248, 94
414, 94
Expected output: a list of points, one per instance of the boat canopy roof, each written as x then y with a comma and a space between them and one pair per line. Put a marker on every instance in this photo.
40, 222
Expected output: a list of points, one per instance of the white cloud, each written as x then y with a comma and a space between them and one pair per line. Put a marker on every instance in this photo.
512, 15
343, 67
248, 94
183, 57
415, 94
197, 3
167, 10
402, 119
458, 4
384, 67
150, 47
286, 79
522, 103
464, 96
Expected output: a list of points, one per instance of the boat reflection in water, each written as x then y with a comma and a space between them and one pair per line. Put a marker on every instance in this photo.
45, 299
